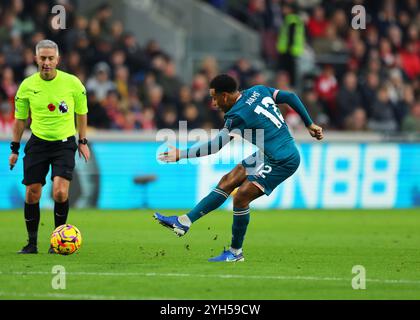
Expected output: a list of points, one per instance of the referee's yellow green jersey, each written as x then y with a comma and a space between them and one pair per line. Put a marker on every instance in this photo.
52, 104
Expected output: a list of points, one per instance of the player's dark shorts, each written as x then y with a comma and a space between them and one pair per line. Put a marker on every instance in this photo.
41, 154
268, 173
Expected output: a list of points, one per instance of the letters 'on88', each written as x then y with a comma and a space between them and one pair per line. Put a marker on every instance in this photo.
66, 239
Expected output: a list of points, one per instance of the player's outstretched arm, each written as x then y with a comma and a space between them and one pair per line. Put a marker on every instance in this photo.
212, 146
315, 131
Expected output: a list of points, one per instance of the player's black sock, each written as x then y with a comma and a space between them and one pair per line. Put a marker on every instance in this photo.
32, 217
61, 211
239, 226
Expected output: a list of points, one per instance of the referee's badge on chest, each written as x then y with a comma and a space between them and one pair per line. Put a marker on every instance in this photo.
63, 107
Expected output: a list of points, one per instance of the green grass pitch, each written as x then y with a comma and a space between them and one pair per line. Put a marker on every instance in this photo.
289, 254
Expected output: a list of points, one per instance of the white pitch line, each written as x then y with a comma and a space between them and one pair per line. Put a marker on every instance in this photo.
76, 296
217, 276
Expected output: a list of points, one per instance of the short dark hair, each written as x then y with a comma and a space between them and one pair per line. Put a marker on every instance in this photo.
224, 83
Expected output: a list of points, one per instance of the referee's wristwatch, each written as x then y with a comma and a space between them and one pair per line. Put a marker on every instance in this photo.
83, 141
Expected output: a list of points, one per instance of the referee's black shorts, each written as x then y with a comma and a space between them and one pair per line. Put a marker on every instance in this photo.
41, 154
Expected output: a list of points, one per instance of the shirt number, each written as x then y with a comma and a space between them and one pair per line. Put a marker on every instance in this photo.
268, 102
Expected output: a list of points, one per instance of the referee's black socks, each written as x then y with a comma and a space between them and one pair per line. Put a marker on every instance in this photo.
61, 211
32, 217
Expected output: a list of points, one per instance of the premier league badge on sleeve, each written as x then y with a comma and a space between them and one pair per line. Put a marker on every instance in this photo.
63, 107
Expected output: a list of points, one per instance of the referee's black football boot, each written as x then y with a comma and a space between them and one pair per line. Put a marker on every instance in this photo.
29, 249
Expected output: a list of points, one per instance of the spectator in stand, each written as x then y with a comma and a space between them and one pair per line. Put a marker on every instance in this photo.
200, 87
13, 50
147, 119
209, 67
6, 27
97, 115
103, 50
348, 101
8, 84
170, 82
7, 117
326, 87
282, 81
115, 110
258, 78
257, 15
242, 71
73, 62
85, 49
167, 118
374, 65
410, 60
79, 30
395, 37
402, 107
317, 23
191, 114
357, 121
40, 15
339, 20
388, 57
3, 63
144, 87
383, 118
121, 82
158, 64
184, 97
372, 37
331, 43
413, 35
411, 122
291, 40
117, 33
100, 83
118, 59
369, 88
134, 107
315, 108
155, 99
28, 67
8, 88
103, 16
137, 59
386, 17
358, 58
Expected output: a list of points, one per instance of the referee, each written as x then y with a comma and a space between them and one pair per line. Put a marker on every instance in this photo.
51, 98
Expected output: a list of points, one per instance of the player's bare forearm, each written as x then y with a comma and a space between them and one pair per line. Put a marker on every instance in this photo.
18, 128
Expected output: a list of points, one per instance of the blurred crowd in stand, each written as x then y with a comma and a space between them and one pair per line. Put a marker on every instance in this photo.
359, 79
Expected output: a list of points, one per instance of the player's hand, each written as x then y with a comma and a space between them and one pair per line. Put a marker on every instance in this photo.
170, 156
12, 160
84, 151
315, 131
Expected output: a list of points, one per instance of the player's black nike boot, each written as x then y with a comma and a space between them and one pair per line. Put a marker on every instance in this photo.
29, 249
